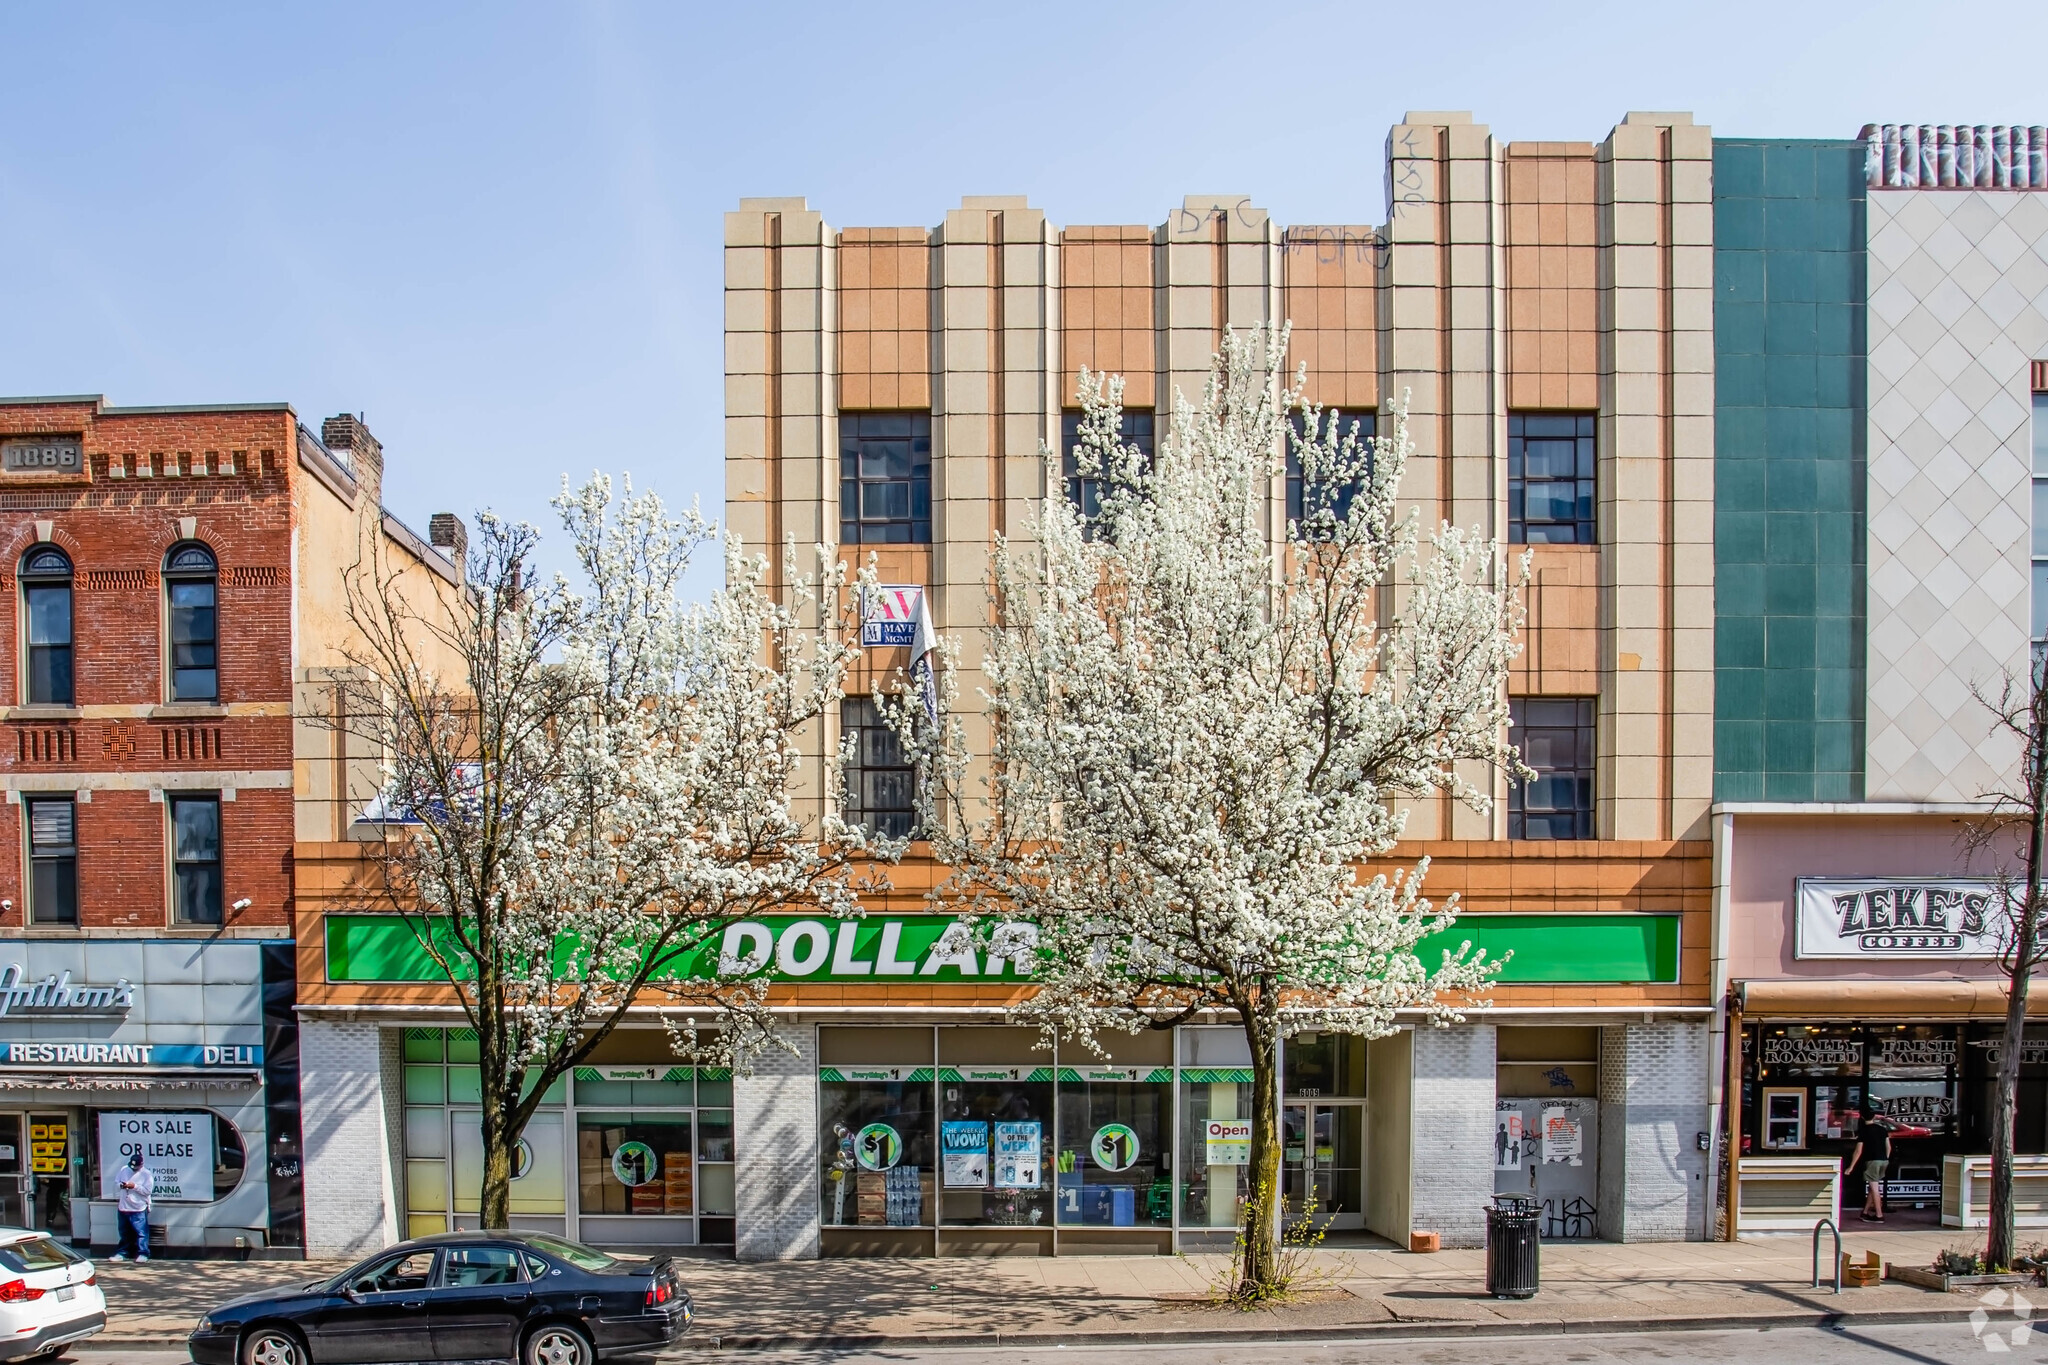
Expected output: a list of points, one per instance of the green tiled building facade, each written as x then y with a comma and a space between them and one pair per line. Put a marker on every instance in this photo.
1789, 350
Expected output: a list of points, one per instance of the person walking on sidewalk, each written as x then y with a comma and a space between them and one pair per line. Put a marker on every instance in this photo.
1874, 1146
136, 1184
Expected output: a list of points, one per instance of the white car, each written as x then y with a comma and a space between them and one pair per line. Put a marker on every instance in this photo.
49, 1295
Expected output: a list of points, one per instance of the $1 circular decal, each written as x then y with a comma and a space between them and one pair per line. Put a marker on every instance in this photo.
877, 1147
635, 1163
1114, 1147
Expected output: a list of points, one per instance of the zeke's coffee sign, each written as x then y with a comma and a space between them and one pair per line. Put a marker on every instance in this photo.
1897, 917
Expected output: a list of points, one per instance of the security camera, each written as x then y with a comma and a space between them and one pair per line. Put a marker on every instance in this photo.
243, 904
6, 905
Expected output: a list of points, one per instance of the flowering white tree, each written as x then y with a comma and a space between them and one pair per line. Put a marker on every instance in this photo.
571, 821
1200, 733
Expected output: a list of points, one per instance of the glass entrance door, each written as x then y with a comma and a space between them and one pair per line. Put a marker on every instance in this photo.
1322, 1154
14, 1211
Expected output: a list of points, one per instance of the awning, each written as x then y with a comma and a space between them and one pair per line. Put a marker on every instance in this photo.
126, 1080
1871, 999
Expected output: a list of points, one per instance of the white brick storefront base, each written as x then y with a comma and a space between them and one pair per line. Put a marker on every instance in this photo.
1653, 1105
775, 1122
1451, 1129
351, 1204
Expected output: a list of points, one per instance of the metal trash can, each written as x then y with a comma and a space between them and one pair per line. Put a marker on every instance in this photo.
1511, 1247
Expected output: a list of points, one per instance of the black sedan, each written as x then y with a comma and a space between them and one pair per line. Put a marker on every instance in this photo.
521, 1296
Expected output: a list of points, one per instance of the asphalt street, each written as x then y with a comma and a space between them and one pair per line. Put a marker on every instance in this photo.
1913, 1344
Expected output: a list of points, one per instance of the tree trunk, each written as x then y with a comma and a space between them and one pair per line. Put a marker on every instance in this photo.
1258, 1272
1998, 1247
499, 1141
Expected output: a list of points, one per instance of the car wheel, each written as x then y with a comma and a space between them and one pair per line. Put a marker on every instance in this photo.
272, 1346
557, 1343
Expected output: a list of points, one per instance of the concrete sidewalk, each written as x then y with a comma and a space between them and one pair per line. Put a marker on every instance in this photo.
1586, 1286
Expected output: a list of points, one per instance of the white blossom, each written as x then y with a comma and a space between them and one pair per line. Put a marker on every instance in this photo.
1203, 733
604, 788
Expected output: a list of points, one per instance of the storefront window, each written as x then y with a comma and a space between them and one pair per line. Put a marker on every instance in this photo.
1980, 1057
202, 1159
877, 1146
1814, 1084
644, 1087
715, 1185
635, 1163
1913, 1075
1324, 1064
444, 1158
995, 1135
1114, 1165
1216, 1145
1810, 1080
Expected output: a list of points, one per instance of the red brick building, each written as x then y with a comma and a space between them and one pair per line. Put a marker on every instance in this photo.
171, 582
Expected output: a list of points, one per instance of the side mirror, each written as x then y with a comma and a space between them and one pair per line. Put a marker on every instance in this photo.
351, 1294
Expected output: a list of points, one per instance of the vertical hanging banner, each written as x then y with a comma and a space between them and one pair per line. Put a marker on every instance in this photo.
899, 615
888, 615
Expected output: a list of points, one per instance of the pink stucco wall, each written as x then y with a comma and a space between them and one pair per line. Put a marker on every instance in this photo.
1769, 853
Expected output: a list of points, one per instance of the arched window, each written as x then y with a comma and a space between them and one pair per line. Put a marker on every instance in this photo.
190, 577
46, 607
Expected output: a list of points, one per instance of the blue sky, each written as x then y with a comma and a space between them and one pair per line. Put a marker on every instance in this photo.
494, 229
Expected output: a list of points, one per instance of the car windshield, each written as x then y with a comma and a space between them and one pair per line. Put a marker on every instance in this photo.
575, 1253
37, 1253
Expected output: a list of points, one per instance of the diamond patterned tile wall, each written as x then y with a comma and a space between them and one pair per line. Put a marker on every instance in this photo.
1958, 307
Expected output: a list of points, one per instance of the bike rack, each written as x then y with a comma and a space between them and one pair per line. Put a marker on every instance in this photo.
1829, 1224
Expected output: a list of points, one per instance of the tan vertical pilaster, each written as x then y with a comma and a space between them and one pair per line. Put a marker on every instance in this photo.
1415, 356
1656, 528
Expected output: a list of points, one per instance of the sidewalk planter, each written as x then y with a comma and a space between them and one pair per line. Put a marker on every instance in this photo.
1966, 1191
1928, 1278
1787, 1193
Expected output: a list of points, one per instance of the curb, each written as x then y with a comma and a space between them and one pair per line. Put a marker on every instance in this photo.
1377, 1331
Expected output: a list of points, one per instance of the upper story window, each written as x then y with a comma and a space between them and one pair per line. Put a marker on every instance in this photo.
46, 611
191, 582
195, 858
881, 782
1086, 493
1306, 499
52, 859
1550, 478
885, 478
1554, 736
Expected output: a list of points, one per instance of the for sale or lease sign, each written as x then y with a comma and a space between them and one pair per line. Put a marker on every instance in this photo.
177, 1147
